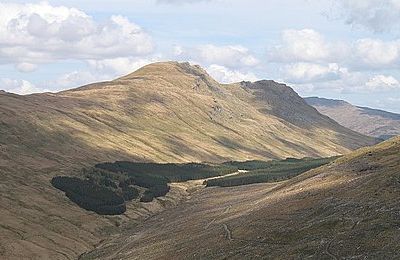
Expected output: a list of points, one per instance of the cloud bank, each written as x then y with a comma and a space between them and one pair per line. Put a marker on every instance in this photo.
40, 33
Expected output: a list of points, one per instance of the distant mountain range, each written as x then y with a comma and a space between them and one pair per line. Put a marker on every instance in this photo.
368, 121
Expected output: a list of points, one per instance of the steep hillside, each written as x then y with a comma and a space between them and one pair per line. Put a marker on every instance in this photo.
164, 112
348, 209
168, 112
368, 121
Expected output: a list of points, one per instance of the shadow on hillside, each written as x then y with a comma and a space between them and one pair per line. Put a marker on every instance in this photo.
181, 148
234, 145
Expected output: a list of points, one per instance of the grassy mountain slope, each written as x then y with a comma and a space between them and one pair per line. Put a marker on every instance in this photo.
164, 112
348, 209
172, 112
368, 121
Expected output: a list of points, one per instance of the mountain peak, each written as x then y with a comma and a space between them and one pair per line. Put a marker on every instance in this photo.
168, 68
176, 72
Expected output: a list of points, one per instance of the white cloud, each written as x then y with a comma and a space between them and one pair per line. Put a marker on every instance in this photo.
225, 75
232, 56
310, 72
375, 15
75, 79
312, 64
226, 63
353, 82
19, 86
309, 46
358, 82
98, 70
382, 83
306, 45
37, 33
377, 53
120, 66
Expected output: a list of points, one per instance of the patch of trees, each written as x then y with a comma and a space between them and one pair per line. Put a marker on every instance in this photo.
154, 177
106, 187
105, 192
154, 184
147, 196
90, 195
271, 171
172, 172
129, 193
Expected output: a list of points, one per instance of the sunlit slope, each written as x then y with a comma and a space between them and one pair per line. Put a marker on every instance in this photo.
348, 209
172, 112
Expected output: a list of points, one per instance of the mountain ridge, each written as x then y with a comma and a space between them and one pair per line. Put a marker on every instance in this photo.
365, 120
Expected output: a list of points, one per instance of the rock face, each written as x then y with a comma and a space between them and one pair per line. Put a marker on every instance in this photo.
348, 209
372, 122
164, 112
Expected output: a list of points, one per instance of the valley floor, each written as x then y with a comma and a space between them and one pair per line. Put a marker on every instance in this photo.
204, 216
348, 209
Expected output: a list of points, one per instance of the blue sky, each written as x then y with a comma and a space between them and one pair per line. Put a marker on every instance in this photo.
344, 49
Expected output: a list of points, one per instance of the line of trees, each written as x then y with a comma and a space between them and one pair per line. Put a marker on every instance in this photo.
173, 172
270, 171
